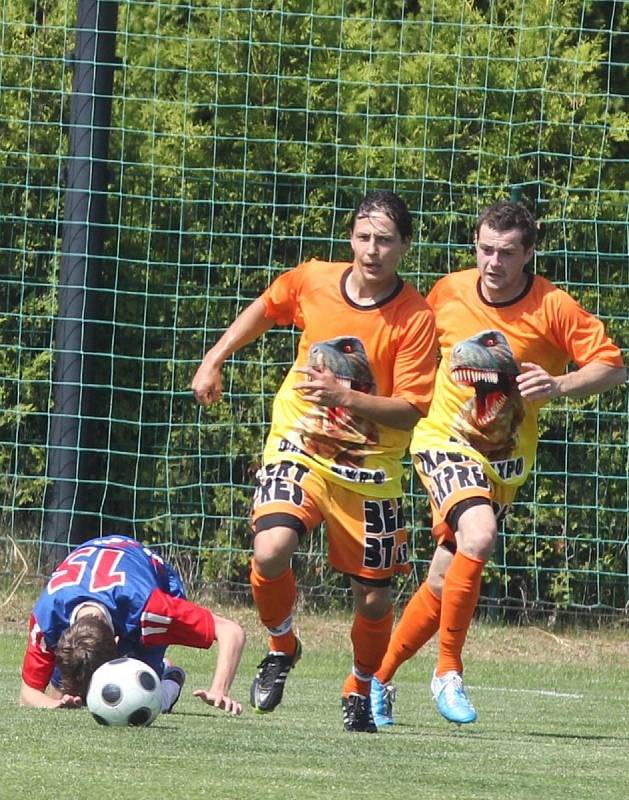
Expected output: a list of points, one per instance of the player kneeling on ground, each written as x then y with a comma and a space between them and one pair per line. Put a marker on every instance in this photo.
114, 597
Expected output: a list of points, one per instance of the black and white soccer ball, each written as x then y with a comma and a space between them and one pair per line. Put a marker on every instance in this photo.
125, 692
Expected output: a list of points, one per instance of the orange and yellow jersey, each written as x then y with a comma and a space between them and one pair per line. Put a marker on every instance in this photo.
477, 409
386, 349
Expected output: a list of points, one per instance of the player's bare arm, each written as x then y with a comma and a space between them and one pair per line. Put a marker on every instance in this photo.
34, 698
323, 388
535, 383
230, 638
207, 384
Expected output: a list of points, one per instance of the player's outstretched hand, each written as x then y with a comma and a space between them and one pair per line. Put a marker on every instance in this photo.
69, 701
219, 700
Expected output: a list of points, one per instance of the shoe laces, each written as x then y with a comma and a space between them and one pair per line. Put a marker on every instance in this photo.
277, 658
384, 697
356, 704
358, 709
274, 666
273, 658
453, 690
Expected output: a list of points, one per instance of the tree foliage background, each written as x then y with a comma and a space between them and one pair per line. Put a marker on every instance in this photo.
242, 133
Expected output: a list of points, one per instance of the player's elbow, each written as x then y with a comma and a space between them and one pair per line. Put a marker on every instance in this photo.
614, 376
229, 631
26, 695
620, 376
237, 639
407, 417
240, 637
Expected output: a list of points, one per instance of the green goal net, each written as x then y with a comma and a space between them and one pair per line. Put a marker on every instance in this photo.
241, 135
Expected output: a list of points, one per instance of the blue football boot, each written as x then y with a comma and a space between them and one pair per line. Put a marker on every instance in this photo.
382, 699
452, 702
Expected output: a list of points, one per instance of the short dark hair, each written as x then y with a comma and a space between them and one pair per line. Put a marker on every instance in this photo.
506, 215
388, 203
82, 649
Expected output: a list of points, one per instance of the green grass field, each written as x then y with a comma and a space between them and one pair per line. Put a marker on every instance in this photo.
553, 724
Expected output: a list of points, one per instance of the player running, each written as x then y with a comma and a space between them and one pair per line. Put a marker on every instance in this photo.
341, 423
114, 597
506, 337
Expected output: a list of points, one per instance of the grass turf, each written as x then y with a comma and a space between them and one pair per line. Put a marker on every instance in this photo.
553, 724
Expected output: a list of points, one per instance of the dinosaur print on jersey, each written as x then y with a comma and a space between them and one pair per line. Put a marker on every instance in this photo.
387, 349
334, 432
477, 410
489, 420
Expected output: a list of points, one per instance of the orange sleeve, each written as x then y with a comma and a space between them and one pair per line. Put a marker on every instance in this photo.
432, 298
416, 362
581, 334
281, 297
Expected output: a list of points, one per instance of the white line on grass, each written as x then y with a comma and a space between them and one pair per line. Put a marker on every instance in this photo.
544, 692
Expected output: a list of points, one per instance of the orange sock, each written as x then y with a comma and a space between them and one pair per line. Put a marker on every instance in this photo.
418, 624
369, 638
274, 599
461, 590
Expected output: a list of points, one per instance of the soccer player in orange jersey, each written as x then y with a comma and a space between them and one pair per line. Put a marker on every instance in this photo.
506, 337
342, 421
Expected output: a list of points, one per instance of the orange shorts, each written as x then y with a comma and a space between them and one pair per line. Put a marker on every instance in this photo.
451, 478
366, 536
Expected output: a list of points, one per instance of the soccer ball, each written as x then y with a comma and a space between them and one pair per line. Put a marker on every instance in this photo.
125, 692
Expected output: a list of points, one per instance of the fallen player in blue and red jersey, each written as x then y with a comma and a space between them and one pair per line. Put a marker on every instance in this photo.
114, 597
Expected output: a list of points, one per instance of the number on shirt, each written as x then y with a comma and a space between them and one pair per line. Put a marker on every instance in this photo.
104, 571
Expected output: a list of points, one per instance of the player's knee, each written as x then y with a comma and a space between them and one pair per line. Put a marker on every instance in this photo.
477, 531
270, 563
434, 580
370, 601
272, 552
479, 543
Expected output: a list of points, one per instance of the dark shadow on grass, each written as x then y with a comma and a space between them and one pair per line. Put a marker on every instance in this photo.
498, 735
578, 737
207, 715
385, 728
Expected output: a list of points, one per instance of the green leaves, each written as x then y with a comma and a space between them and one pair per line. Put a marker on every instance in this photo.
242, 135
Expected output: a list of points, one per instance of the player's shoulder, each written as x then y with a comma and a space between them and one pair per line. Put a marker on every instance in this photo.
315, 272
449, 286
462, 277
316, 266
412, 298
545, 285
547, 293
51, 612
112, 540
